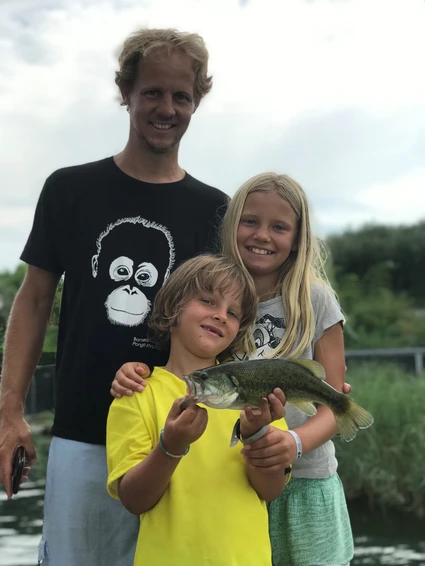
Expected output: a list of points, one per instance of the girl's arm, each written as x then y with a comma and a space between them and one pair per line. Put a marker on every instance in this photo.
265, 464
142, 486
329, 352
130, 377
265, 458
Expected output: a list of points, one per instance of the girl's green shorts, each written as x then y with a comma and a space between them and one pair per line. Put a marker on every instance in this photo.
309, 524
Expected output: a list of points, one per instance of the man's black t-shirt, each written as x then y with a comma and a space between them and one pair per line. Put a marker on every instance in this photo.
116, 239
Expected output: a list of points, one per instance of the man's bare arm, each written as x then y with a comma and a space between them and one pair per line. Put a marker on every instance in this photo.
24, 341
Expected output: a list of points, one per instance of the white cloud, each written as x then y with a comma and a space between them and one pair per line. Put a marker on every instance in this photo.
328, 91
397, 200
400, 201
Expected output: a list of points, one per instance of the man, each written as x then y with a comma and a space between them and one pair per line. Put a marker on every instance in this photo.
116, 228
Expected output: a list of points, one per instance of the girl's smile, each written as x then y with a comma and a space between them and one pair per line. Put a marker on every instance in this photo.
260, 251
267, 234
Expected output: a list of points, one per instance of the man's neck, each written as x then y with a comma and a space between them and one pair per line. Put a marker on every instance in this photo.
150, 167
182, 363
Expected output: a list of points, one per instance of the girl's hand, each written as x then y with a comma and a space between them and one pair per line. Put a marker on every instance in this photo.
183, 427
346, 388
271, 409
270, 454
129, 378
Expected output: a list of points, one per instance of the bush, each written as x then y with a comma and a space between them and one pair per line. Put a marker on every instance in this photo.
385, 462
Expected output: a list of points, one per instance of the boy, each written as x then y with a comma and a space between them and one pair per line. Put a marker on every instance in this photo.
200, 501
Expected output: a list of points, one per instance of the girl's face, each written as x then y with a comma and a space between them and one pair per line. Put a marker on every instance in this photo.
267, 233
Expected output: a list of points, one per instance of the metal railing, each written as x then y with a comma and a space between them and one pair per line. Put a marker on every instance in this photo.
411, 359
41, 393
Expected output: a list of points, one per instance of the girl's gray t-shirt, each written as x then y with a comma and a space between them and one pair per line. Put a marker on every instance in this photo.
268, 332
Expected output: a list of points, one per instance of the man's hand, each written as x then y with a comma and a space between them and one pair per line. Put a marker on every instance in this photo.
129, 378
271, 453
271, 409
14, 431
183, 427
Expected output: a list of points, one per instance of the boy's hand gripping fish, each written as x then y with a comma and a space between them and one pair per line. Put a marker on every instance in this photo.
234, 385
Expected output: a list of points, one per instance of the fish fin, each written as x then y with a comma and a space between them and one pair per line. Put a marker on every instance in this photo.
314, 367
352, 419
234, 439
305, 406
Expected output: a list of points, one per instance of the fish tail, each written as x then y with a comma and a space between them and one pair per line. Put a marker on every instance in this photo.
353, 418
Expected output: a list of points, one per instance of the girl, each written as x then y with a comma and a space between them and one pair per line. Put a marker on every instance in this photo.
267, 231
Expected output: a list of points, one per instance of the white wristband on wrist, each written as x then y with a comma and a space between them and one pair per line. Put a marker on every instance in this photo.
297, 442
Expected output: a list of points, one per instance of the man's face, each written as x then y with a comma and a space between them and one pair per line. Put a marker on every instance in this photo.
162, 100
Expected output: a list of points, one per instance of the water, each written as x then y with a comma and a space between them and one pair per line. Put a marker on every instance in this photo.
388, 539
391, 538
21, 518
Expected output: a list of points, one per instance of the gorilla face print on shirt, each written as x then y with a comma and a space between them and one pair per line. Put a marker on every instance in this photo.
134, 258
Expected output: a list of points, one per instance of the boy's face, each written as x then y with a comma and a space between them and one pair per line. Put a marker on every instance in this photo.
208, 323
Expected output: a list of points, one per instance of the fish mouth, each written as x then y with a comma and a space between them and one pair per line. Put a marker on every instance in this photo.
193, 388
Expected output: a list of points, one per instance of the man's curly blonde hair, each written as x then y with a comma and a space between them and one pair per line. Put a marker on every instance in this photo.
147, 41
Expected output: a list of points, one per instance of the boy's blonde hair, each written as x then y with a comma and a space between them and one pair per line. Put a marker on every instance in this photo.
303, 267
204, 273
149, 41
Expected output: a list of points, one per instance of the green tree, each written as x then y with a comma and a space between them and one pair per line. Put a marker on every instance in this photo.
10, 282
402, 247
376, 316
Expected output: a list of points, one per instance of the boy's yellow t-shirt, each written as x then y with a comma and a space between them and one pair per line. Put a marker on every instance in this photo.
209, 514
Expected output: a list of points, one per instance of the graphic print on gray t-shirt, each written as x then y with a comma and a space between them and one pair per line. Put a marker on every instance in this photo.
131, 276
268, 333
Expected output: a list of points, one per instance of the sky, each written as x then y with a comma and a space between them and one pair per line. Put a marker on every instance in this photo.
330, 92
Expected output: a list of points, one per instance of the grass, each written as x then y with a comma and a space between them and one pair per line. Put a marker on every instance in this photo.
385, 462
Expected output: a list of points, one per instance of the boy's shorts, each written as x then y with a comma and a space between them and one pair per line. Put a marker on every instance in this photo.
83, 525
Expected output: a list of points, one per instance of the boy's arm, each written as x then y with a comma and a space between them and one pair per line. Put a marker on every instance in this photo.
265, 465
142, 486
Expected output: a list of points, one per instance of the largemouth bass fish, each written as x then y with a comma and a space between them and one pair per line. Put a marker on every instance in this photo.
234, 385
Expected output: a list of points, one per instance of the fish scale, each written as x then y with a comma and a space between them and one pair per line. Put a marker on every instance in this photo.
234, 385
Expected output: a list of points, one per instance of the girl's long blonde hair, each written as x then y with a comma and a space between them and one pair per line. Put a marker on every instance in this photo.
303, 267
